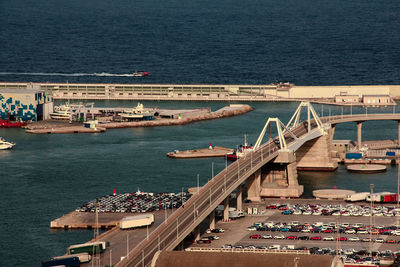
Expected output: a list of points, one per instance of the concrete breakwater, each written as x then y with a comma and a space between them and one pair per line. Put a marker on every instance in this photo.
188, 116
232, 110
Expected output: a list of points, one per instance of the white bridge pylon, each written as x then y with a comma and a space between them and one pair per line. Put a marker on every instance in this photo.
294, 122
281, 129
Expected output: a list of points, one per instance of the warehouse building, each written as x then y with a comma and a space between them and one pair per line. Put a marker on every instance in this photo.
25, 104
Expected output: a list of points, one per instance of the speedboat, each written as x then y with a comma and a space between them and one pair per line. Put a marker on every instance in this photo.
5, 144
241, 151
141, 73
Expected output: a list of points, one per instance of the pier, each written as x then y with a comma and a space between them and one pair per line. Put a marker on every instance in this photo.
336, 95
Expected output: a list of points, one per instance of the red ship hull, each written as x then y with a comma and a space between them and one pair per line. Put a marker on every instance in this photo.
11, 124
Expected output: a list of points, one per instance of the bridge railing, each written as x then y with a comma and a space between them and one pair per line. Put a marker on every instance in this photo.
167, 235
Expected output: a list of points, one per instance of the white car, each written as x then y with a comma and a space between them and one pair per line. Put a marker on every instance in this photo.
267, 236
350, 231
354, 239
328, 238
379, 240
279, 237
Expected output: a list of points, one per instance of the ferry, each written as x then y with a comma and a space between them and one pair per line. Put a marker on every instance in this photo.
241, 151
62, 112
4, 145
138, 113
141, 73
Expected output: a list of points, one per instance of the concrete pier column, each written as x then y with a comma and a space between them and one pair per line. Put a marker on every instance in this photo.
239, 199
359, 126
292, 174
226, 209
253, 185
196, 232
398, 133
212, 219
332, 132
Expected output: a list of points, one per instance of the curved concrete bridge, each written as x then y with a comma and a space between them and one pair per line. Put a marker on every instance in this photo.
269, 170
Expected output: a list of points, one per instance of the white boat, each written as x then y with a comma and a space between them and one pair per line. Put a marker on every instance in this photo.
5, 144
62, 112
138, 113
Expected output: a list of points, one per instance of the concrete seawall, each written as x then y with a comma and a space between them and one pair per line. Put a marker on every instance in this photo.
205, 92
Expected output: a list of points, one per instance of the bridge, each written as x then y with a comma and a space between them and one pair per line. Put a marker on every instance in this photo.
263, 160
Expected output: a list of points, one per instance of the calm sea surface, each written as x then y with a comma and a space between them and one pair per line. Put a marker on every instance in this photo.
228, 41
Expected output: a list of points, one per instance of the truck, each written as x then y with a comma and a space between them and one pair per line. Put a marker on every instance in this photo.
90, 248
235, 214
67, 262
136, 221
357, 197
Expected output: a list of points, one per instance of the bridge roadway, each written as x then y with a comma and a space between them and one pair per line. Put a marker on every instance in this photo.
182, 222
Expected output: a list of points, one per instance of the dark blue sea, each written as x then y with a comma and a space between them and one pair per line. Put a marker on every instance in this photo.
228, 41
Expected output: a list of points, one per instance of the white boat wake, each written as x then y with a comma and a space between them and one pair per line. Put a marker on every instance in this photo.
67, 74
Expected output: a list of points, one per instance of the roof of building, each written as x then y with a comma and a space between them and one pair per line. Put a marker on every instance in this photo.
20, 91
376, 96
229, 259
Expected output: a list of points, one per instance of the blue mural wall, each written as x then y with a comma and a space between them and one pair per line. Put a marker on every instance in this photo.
19, 106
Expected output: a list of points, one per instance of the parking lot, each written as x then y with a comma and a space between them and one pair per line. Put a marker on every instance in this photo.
320, 226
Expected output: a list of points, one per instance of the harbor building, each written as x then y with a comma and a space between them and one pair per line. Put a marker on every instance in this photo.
25, 104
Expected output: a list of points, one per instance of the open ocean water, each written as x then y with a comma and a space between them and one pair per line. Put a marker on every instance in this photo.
246, 42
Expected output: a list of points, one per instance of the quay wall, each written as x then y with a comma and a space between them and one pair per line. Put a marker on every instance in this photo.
209, 92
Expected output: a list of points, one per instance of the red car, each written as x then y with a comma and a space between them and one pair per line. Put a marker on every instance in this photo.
328, 231
271, 207
391, 241
342, 238
292, 237
315, 238
255, 236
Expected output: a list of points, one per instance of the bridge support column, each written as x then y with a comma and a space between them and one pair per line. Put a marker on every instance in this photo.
239, 200
226, 209
332, 132
196, 232
212, 219
253, 185
359, 133
281, 177
398, 133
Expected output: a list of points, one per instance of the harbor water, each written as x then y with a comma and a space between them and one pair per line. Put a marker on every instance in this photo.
223, 42
46, 176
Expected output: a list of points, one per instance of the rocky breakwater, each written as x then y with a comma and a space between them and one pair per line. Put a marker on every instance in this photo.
187, 117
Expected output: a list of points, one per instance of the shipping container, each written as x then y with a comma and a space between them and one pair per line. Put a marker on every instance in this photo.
67, 262
90, 248
353, 155
136, 221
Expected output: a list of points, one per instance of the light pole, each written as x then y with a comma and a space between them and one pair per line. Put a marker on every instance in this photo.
370, 219
198, 183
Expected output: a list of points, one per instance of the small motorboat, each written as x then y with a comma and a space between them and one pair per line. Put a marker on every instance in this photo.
5, 144
141, 73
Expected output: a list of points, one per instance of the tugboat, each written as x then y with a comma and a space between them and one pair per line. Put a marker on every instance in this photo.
241, 151
5, 144
141, 73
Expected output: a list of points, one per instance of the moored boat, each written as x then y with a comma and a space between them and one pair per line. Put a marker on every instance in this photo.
11, 124
138, 113
4, 145
62, 112
241, 151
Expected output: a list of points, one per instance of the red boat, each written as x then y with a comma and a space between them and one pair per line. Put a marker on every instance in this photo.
241, 151
11, 124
